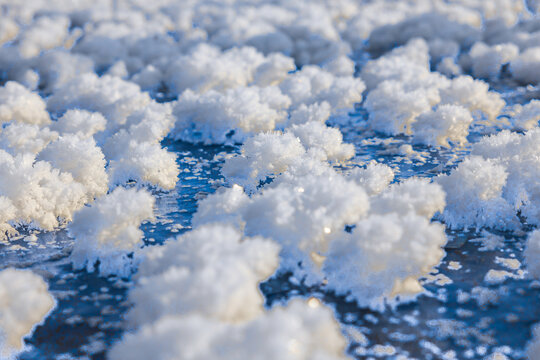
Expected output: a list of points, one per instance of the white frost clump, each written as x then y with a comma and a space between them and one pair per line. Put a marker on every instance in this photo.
374, 177
39, 193
19, 104
58, 67
215, 117
325, 142
213, 271
262, 155
533, 348
113, 97
416, 195
532, 254
80, 122
473, 95
403, 88
525, 68
206, 68
474, 195
384, 257
21, 138
270, 154
135, 152
302, 214
527, 116
386, 252
108, 231
46, 32
393, 106
487, 61
87, 168
429, 26
446, 123
496, 181
299, 331
307, 207
518, 154
24, 303
313, 85
402, 64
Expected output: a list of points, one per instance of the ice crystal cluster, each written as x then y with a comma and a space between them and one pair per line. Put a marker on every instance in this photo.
95, 95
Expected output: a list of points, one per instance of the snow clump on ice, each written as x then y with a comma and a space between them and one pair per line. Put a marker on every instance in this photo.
108, 231
24, 303
299, 331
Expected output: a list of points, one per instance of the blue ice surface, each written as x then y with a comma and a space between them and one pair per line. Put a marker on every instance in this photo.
440, 324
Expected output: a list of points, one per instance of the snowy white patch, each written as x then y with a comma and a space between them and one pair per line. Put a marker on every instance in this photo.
300, 331
19, 104
532, 254
374, 177
108, 231
24, 303
384, 257
212, 271
215, 117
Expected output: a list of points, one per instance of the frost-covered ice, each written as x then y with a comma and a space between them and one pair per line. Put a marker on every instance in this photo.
204, 160
24, 302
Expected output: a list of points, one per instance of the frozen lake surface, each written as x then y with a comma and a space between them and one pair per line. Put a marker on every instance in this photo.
316, 180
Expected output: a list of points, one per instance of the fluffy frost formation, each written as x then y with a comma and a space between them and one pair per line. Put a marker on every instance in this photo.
203, 286
206, 68
269, 154
533, 349
24, 303
43, 183
308, 205
302, 218
374, 178
384, 257
35, 192
532, 254
214, 117
224, 115
18, 104
212, 271
108, 231
527, 116
404, 92
447, 123
109, 81
299, 331
497, 180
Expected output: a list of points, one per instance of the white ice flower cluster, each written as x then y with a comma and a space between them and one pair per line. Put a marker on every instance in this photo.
24, 303
197, 297
89, 90
116, 138
406, 97
108, 231
306, 206
262, 97
495, 182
